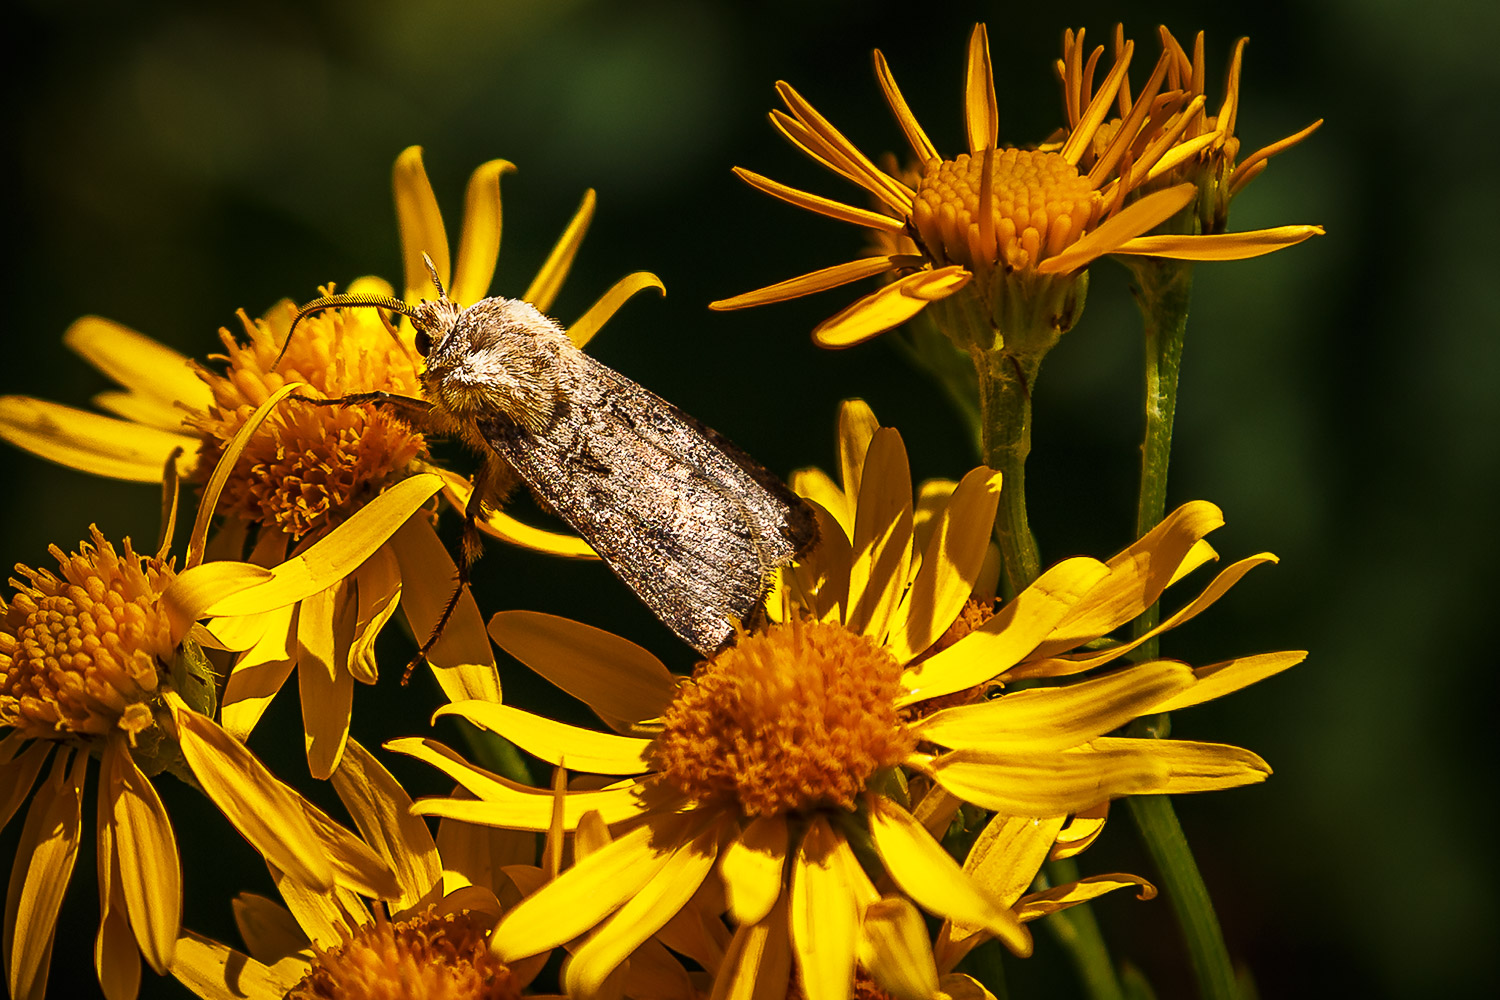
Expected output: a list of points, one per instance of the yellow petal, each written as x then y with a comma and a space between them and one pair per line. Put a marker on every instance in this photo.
326, 701
150, 870
819, 138
461, 659
1137, 217
260, 672
543, 289
758, 963
1082, 829
820, 205
824, 914
377, 585
507, 803
613, 676
150, 370
478, 853
222, 470
1008, 636
217, 972
479, 241
92, 443
1050, 784
421, 226
1061, 897
920, 144
1081, 136
814, 484
882, 536
583, 330
1008, 853
857, 427
1216, 589
1219, 679
647, 909
752, 867
194, 590
269, 931
895, 951
117, 957
814, 282
45, 854
951, 563
337, 554
579, 898
957, 986
325, 916
18, 774
1137, 577
889, 307
381, 810
1055, 718
820, 579
355, 865
555, 742
265, 812
926, 873
1190, 767
1220, 246
981, 115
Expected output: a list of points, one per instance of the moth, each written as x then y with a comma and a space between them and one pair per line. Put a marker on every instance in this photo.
690, 523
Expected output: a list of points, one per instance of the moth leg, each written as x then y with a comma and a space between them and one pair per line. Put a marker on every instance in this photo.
407, 406
489, 485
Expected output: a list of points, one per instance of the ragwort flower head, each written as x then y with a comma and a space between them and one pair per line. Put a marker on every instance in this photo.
1214, 164
307, 469
428, 939
1003, 235
836, 724
94, 663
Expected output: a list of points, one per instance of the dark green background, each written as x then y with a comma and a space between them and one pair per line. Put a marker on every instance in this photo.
172, 163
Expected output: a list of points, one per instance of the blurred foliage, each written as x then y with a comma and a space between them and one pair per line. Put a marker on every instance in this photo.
175, 161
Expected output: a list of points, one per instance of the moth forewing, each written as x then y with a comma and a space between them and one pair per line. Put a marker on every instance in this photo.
688, 521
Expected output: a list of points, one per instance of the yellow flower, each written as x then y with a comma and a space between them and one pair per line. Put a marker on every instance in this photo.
94, 663
429, 937
789, 748
310, 468
1015, 227
1214, 167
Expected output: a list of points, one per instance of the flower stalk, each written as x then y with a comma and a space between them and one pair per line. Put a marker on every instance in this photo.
1162, 289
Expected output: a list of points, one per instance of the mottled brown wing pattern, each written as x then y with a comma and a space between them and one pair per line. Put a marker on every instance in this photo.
684, 518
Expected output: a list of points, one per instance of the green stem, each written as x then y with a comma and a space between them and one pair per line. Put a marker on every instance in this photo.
1162, 289
1182, 884
1005, 383
1077, 930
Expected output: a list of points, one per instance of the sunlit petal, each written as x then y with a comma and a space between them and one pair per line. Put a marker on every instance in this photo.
542, 291
583, 330
479, 241
555, 742
89, 442
613, 676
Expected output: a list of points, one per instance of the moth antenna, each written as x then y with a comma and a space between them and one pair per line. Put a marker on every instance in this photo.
338, 301
432, 270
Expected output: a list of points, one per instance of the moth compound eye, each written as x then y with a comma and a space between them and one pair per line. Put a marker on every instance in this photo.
423, 342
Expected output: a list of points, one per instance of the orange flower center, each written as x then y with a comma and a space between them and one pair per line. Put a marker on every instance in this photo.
427, 957
791, 719
82, 653
308, 467
1038, 206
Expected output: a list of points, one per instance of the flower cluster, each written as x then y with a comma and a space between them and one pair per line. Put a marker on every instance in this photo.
913, 729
